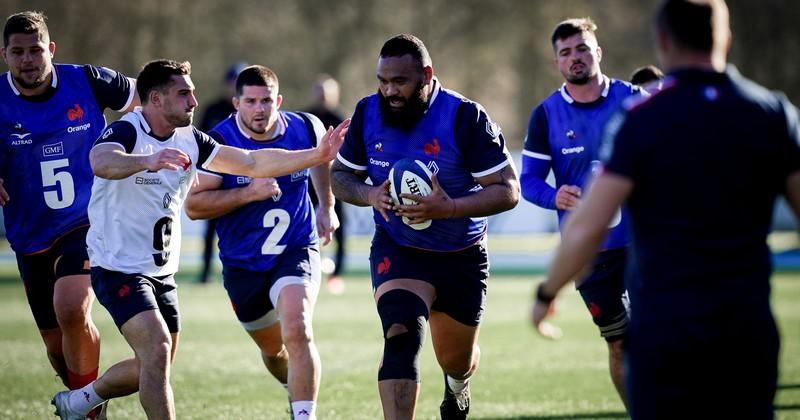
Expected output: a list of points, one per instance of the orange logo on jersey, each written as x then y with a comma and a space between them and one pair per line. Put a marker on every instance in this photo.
433, 148
383, 267
75, 113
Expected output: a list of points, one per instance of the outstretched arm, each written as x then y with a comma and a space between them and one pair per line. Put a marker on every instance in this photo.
266, 163
582, 236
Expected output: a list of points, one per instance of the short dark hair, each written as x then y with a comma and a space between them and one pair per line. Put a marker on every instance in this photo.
157, 75
691, 24
573, 26
400, 45
646, 74
256, 76
27, 22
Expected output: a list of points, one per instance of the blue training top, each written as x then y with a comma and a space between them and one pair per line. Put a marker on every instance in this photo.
254, 236
44, 151
565, 135
455, 137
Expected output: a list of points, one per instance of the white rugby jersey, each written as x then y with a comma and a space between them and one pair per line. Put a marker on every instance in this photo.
136, 221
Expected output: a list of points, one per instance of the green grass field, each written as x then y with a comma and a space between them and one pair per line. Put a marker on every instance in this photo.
218, 373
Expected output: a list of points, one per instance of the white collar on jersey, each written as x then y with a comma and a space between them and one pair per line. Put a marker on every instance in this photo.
604, 93
436, 88
280, 127
54, 83
146, 127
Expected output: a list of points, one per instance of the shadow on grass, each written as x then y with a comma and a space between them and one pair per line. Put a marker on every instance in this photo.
783, 387
787, 407
576, 416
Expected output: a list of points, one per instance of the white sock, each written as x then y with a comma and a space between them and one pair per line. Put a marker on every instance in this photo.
83, 400
457, 385
304, 410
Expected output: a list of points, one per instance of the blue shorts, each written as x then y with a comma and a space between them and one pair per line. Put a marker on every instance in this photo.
39, 272
254, 294
459, 277
603, 292
126, 295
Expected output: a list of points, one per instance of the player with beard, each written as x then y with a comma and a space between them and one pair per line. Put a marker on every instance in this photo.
437, 275
564, 135
269, 234
144, 165
49, 116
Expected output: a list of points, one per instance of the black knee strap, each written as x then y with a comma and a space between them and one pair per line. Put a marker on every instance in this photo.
401, 351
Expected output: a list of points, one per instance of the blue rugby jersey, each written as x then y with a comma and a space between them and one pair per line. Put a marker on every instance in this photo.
565, 135
45, 143
455, 137
254, 236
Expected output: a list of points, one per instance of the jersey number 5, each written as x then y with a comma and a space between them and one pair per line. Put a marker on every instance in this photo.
63, 179
278, 220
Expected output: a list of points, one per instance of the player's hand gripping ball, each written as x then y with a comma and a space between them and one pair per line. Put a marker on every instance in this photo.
411, 177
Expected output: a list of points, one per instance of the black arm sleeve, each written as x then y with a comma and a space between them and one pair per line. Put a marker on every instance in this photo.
110, 88
119, 132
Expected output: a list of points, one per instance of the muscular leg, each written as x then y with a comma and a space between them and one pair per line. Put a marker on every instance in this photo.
148, 372
80, 340
295, 308
615, 366
399, 396
55, 352
273, 352
455, 345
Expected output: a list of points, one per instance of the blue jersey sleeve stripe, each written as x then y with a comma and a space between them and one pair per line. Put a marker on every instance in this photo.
131, 94
349, 164
491, 170
536, 155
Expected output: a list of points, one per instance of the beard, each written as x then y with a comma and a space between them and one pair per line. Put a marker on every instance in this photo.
581, 79
30, 85
180, 119
409, 114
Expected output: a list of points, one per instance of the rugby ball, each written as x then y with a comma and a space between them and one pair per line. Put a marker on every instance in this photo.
411, 177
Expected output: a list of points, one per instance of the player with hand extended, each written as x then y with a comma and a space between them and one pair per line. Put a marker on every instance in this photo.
145, 164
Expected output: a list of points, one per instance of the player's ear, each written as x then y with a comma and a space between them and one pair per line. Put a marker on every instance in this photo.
428, 72
278, 101
599, 54
235, 102
52, 48
154, 97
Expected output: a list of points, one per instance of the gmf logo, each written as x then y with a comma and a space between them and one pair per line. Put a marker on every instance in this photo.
75, 113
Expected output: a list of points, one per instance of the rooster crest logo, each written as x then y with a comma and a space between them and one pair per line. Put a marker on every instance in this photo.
433, 148
383, 266
75, 113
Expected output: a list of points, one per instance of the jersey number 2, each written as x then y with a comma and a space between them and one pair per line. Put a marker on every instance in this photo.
278, 220
63, 179
162, 232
